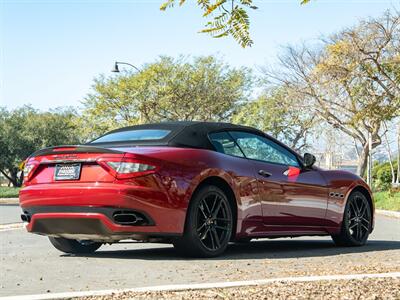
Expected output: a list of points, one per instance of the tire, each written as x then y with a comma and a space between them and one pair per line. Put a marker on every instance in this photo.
74, 246
356, 225
209, 223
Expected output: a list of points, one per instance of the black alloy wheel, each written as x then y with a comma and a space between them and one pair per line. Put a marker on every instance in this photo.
356, 225
208, 225
214, 221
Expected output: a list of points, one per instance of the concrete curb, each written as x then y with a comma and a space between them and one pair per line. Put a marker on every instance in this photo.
388, 213
201, 286
12, 201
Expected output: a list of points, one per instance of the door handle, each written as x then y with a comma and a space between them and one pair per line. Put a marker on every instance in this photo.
264, 173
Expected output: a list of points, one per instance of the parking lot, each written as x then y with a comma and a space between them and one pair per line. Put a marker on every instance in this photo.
30, 265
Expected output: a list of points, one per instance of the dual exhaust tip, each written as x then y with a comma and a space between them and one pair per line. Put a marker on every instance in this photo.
26, 218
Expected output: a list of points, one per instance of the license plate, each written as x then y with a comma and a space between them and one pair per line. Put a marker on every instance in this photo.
67, 172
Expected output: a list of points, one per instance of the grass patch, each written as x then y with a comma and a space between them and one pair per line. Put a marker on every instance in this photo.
387, 200
9, 192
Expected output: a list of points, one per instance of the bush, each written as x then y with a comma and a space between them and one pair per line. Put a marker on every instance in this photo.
382, 176
8, 192
388, 200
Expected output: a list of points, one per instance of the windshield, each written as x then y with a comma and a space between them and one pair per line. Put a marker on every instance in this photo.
133, 135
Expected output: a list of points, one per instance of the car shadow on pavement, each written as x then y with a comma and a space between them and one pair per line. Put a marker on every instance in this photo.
261, 249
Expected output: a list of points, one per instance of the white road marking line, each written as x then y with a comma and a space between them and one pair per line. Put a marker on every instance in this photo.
200, 286
12, 226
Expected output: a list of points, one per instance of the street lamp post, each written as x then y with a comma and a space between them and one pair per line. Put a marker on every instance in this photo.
116, 68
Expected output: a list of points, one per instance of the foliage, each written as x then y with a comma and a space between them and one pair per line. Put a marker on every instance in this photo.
233, 21
274, 112
351, 80
382, 177
9, 192
25, 130
229, 18
168, 89
388, 200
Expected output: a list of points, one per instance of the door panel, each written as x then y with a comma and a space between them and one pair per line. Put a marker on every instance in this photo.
288, 198
292, 200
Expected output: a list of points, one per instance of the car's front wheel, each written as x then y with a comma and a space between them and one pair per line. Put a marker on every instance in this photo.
209, 224
356, 224
74, 246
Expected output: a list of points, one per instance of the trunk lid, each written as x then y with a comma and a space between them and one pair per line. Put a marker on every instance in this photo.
86, 162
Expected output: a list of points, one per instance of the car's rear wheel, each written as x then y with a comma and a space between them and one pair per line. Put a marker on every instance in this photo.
209, 222
356, 224
74, 246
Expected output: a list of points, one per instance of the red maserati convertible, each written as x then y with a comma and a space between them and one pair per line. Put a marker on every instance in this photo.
197, 185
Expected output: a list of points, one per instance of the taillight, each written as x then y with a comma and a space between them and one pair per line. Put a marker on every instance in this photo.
29, 168
127, 169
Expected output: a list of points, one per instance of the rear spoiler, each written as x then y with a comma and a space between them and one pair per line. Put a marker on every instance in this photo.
69, 149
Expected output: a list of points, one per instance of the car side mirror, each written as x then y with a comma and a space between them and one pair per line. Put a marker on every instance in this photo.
308, 160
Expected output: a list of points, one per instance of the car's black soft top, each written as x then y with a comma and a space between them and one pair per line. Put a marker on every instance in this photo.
193, 134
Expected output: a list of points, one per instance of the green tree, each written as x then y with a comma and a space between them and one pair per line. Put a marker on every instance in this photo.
169, 89
350, 80
277, 113
25, 130
228, 17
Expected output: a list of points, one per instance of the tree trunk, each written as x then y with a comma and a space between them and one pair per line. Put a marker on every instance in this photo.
12, 177
398, 156
363, 160
389, 153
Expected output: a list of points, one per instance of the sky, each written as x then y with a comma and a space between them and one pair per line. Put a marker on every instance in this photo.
52, 50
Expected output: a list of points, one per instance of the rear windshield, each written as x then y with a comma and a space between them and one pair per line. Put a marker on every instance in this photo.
133, 135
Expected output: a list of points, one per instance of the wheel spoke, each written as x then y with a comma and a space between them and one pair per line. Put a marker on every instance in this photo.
353, 208
207, 208
221, 227
201, 227
204, 235
223, 219
216, 237
364, 209
216, 210
215, 202
365, 227
202, 210
359, 231
212, 240
353, 225
357, 206
365, 220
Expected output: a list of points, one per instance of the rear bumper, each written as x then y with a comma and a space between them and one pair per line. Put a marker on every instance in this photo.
93, 226
85, 211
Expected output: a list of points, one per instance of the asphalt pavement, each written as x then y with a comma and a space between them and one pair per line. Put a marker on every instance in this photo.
30, 265
10, 213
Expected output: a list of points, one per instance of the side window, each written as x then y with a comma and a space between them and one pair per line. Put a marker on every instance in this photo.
260, 148
224, 143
